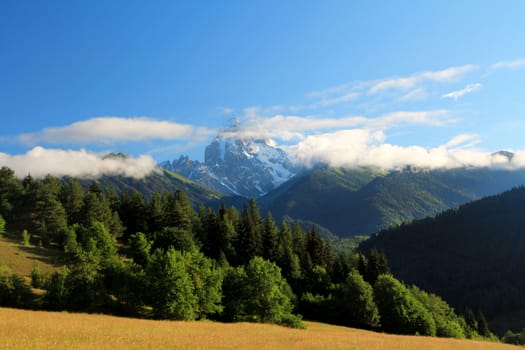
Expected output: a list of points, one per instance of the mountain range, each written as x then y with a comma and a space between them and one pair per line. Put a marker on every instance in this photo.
347, 202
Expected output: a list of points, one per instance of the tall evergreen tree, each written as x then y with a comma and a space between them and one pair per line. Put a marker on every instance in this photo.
10, 191
249, 238
72, 198
483, 326
270, 239
316, 248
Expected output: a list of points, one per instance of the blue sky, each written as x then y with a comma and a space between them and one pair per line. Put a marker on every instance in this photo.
434, 83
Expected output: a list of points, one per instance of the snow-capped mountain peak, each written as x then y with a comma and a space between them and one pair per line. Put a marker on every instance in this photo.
243, 166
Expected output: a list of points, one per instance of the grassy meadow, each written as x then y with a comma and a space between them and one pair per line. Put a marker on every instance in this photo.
22, 329
20, 259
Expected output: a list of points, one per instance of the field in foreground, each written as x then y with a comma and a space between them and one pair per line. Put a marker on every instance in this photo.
21, 329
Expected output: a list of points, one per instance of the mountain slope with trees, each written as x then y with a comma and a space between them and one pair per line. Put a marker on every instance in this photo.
364, 200
472, 256
160, 181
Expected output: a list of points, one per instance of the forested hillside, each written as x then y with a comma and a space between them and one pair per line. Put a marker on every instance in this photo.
159, 258
473, 256
365, 200
157, 182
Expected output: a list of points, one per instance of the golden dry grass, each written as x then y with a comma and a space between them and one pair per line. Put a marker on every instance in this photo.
21, 329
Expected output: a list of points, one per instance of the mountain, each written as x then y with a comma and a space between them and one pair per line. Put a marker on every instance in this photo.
364, 200
159, 181
239, 166
472, 256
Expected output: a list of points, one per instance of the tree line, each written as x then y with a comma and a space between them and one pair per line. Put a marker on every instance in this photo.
163, 258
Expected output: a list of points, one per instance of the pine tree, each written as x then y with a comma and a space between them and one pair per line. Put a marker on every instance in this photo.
270, 239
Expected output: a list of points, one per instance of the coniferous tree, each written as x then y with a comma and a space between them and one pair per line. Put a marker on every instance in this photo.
96, 208
133, 213
483, 327
51, 218
140, 248
316, 248
376, 265
226, 235
471, 319
72, 198
249, 238
10, 192
174, 237
157, 213
270, 239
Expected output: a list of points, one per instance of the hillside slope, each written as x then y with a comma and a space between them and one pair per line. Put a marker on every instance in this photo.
471, 256
363, 201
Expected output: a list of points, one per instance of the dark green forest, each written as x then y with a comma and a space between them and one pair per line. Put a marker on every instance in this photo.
484, 268
162, 258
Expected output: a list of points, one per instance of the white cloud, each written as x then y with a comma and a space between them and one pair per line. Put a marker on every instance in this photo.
105, 130
362, 147
514, 64
40, 162
460, 93
405, 83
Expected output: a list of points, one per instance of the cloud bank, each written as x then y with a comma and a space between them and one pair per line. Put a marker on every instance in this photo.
360, 147
107, 130
358, 141
39, 162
